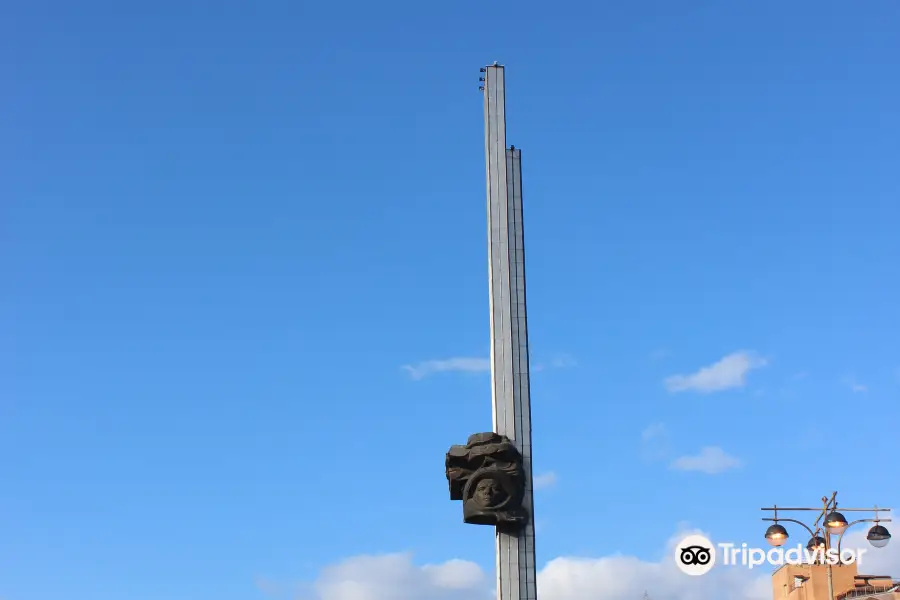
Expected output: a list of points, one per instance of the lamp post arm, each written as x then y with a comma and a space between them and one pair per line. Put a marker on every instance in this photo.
802, 524
841, 537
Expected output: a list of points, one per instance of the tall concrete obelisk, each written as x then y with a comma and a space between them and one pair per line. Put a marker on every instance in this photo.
491, 473
511, 392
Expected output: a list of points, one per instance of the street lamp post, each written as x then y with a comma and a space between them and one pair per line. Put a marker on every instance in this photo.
832, 523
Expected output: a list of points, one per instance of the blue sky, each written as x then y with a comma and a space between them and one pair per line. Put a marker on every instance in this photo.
227, 227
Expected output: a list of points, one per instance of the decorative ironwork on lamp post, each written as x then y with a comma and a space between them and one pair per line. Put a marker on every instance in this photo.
833, 523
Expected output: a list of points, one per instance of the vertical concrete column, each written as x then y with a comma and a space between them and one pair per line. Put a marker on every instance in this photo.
511, 398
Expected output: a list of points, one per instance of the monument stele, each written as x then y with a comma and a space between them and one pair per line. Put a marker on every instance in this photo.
492, 474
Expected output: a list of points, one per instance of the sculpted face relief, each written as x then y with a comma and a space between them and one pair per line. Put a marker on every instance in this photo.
488, 476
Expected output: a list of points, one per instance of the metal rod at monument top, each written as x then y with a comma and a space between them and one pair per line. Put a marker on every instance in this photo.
491, 474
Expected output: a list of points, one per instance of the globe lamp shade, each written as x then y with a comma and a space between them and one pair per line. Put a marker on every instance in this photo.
879, 536
815, 543
835, 523
776, 535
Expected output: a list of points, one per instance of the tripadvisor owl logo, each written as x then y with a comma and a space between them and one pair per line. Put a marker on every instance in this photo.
695, 555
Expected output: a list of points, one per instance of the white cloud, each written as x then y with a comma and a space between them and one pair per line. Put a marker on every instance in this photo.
396, 577
476, 365
615, 577
855, 386
875, 561
653, 431
268, 587
544, 480
712, 460
563, 361
430, 367
655, 442
729, 372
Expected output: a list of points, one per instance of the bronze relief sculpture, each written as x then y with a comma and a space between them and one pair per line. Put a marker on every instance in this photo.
488, 476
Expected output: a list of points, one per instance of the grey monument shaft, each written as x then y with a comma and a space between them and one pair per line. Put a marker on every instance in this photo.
491, 472
511, 390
